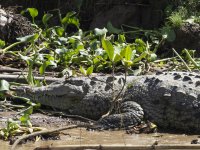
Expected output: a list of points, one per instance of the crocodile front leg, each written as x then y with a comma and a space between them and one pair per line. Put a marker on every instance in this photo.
131, 114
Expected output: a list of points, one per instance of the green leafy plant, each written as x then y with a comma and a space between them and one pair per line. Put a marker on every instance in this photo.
52, 47
46, 18
13, 127
87, 72
33, 12
70, 18
176, 20
10, 130
2, 43
186, 11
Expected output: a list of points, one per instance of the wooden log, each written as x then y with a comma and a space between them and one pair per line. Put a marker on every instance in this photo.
96, 147
120, 147
21, 79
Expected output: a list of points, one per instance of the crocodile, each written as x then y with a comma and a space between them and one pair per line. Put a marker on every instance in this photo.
171, 100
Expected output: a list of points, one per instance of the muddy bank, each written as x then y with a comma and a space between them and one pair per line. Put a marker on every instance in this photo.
81, 136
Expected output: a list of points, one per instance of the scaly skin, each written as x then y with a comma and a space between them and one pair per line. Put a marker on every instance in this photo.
170, 100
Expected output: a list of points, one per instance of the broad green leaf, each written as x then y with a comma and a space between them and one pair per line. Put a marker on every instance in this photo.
96, 60
46, 18
140, 41
4, 85
59, 31
29, 38
64, 20
128, 53
121, 38
108, 47
112, 29
123, 52
140, 45
74, 21
30, 62
143, 55
43, 67
168, 34
117, 57
67, 16
33, 12
83, 71
153, 57
25, 120
127, 63
89, 71
29, 110
70, 19
2, 43
100, 32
